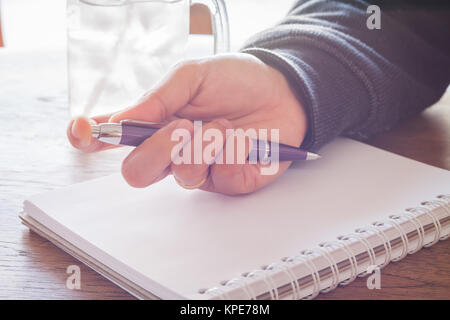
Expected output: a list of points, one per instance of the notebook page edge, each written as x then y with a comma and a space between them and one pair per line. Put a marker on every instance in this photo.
345, 141
84, 246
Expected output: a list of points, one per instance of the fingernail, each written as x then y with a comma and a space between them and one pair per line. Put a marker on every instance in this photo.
73, 130
74, 134
78, 131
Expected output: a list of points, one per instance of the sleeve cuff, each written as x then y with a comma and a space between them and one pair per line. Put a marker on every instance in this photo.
288, 69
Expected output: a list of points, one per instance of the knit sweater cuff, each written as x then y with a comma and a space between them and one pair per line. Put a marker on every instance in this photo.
325, 96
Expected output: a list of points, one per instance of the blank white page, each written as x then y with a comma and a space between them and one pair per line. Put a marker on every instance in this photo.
173, 242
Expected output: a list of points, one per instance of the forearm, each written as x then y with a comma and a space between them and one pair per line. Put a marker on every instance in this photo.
352, 80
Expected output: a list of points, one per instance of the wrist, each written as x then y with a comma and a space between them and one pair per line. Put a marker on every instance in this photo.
284, 67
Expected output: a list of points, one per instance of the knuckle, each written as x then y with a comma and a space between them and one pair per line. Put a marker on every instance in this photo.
160, 106
187, 63
185, 66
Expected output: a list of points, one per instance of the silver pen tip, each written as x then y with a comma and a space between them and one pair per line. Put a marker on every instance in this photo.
96, 130
312, 156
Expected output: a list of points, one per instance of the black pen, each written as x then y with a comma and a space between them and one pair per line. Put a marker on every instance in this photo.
133, 133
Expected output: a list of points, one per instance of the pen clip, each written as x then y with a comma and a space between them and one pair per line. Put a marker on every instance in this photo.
145, 124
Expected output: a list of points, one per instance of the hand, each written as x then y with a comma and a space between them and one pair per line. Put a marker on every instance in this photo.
229, 91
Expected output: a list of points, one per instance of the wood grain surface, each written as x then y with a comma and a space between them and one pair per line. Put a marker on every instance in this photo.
35, 156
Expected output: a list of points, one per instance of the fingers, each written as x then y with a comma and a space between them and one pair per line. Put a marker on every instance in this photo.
220, 156
174, 92
159, 105
235, 177
79, 133
151, 161
241, 179
228, 174
197, 160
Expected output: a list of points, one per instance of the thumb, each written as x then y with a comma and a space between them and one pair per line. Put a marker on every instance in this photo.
173, 93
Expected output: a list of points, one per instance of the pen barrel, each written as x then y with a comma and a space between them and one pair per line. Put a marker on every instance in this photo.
263, 150
135, 135
288, 153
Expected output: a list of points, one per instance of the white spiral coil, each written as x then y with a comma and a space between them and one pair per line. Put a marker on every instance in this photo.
306, 257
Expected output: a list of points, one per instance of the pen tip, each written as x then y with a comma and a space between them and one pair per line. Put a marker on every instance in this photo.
312, 156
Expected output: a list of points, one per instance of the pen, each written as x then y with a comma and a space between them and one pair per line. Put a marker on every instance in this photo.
133, 133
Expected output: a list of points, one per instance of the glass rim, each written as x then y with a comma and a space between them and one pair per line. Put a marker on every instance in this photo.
118, 3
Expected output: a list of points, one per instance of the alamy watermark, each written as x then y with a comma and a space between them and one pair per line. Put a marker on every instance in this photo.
241, 146
374, 20
374, 280
73, 282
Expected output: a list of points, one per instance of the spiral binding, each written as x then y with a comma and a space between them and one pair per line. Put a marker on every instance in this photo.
369, 250
437, 225
350, 256
333, 266
293, 279
437, 204
306, 257
375, 228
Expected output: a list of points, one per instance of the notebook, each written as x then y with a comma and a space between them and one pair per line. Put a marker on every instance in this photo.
322, 224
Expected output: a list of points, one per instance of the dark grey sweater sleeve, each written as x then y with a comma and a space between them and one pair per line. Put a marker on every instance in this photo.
351, 80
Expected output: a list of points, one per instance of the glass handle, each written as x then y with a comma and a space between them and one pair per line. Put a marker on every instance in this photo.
220, 26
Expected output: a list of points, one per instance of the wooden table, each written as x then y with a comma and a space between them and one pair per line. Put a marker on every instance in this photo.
35, 157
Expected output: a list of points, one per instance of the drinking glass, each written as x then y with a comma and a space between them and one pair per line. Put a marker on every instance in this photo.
118, 49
